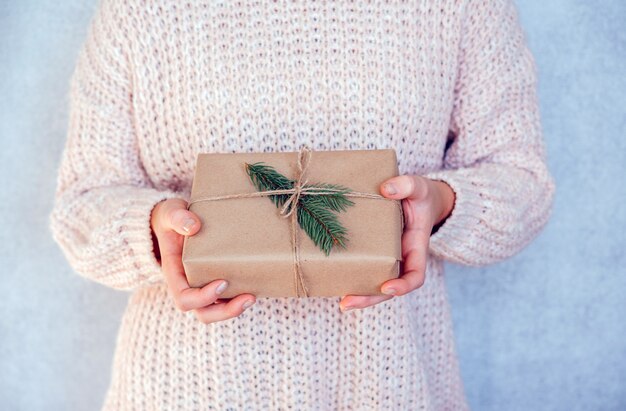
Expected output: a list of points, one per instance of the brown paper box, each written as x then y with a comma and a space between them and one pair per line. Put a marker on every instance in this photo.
247, 242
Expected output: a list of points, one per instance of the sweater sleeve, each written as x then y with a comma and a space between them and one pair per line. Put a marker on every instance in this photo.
496, 162
104, 198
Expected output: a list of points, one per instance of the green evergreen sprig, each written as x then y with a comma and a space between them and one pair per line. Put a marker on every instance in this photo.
315, 212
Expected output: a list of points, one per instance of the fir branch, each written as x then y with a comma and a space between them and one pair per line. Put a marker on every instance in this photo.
314, 212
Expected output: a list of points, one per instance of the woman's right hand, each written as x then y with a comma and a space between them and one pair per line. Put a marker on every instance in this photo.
170, 222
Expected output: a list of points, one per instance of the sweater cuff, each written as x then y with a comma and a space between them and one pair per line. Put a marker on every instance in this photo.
456, 231
137, 234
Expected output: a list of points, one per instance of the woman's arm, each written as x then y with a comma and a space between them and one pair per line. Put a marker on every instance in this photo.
103, 203
496, 165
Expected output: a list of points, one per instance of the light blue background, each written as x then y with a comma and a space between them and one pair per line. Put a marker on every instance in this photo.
544, 330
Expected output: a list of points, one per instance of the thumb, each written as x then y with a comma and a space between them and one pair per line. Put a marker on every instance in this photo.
181, 220
404, 186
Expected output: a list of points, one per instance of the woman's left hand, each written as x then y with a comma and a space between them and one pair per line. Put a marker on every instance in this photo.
426, 203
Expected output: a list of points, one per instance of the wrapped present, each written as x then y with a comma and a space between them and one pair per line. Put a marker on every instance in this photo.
294, 224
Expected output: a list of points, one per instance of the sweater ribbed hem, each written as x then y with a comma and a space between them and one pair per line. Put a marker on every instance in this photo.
456, 231
138, 234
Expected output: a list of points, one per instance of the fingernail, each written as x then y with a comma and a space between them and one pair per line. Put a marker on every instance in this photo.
347, 308
389, 291
188, 223
390, 189
220, 288
247, 304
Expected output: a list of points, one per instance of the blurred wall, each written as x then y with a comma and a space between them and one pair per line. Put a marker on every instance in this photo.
542, 331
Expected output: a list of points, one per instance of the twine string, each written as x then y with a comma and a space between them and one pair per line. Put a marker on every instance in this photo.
299, 188
293, 199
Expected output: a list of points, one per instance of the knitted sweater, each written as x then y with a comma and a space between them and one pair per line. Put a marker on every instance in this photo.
449, 84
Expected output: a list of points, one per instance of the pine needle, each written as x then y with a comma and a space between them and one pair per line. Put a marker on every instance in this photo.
266, 178
320, 224
336, 201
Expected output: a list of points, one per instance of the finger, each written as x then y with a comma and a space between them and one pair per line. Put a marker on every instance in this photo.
177, 218
184, 221
170, 246
186, 298
198, 297
405, 186
224, 311
414, 250
361, 301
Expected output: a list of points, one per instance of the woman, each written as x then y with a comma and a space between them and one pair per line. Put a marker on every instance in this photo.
450, 85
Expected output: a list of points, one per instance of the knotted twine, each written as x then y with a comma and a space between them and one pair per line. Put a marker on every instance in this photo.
300, 188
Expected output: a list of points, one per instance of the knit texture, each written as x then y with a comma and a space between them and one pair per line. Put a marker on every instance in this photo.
449, 84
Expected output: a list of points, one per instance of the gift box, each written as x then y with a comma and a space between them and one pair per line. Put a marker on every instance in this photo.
282, 243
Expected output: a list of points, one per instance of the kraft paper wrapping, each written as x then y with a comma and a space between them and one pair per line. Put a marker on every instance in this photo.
247, 242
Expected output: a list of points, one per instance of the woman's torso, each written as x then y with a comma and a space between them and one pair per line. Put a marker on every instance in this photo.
268, 76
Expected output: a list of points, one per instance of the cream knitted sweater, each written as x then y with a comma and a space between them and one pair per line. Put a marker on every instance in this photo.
450, 84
